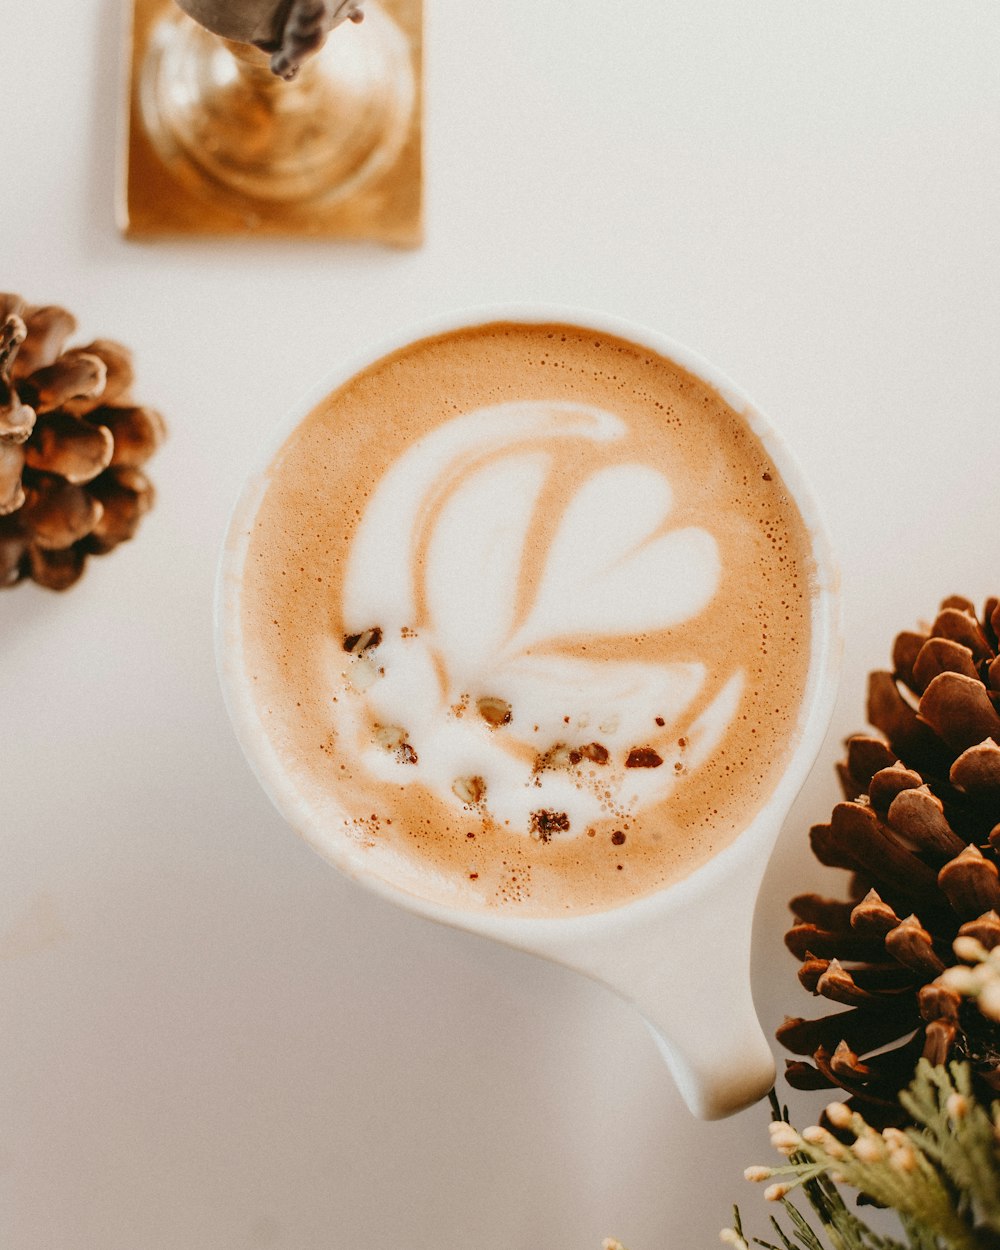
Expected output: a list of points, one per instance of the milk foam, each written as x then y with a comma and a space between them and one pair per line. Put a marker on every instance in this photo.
513, 526
437, 567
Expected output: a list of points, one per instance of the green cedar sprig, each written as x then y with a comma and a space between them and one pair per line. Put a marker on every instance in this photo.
942, 1176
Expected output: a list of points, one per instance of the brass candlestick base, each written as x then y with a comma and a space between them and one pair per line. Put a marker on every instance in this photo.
218, 146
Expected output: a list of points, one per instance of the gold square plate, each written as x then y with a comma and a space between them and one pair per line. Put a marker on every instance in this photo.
161, 194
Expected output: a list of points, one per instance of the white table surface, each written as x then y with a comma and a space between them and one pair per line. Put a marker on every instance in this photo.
208, 1040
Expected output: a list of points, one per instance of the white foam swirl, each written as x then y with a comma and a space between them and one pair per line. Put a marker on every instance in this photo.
437, 564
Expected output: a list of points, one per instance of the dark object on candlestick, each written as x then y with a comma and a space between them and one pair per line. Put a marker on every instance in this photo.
288, 30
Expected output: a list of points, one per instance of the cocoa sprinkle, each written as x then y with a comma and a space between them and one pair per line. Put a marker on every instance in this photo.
469, 790
358, 644
643, 757
592, 751
545, 823
495, 712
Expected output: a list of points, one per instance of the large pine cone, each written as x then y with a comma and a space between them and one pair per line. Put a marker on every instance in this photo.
71, 447
920, 832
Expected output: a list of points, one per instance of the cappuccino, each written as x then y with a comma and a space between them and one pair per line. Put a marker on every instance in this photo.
526, 616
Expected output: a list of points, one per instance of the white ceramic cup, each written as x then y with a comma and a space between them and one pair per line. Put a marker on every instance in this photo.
682, 954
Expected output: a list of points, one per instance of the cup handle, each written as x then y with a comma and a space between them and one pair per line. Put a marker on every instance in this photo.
686, 967
699, 1009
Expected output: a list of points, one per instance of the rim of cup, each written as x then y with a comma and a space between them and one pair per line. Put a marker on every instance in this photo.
814, 711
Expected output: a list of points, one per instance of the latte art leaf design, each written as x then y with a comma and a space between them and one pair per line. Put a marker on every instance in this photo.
610, 570
474, 559
470, 613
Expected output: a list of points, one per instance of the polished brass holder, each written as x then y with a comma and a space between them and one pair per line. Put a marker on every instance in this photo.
217, 145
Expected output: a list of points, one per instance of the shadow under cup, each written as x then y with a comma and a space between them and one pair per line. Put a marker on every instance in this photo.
652, 949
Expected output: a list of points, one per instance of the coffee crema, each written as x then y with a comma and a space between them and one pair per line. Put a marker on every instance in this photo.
526, 615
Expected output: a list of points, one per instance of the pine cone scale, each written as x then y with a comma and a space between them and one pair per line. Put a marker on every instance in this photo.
940, 655
74, 376
905, 651
873, 915
56, 570
977, 772
69, 447
126, 495
47, 329
971, 883
913, 947
862, 1029
13, 332
887, 783
807, 939
959, 624
59, 513
16, 417
805, 1077
118, 374
857, 840
917, 817
837, 984
985, 929
825, 913
939, 1040
938, 1003
866, 757
13, 547
136, 432
914, 741
880, 981
959, 711
11, 468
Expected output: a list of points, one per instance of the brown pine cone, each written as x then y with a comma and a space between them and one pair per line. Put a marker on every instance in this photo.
920, 833
72, 446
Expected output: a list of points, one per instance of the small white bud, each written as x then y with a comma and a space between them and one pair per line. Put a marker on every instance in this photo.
960, 979
839, 1115
969, 949
816, 1136
957, 1106
903, 1159
869, 1149
989, 1000
783, 1137
775, 1193
730, 1237
756, 1173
